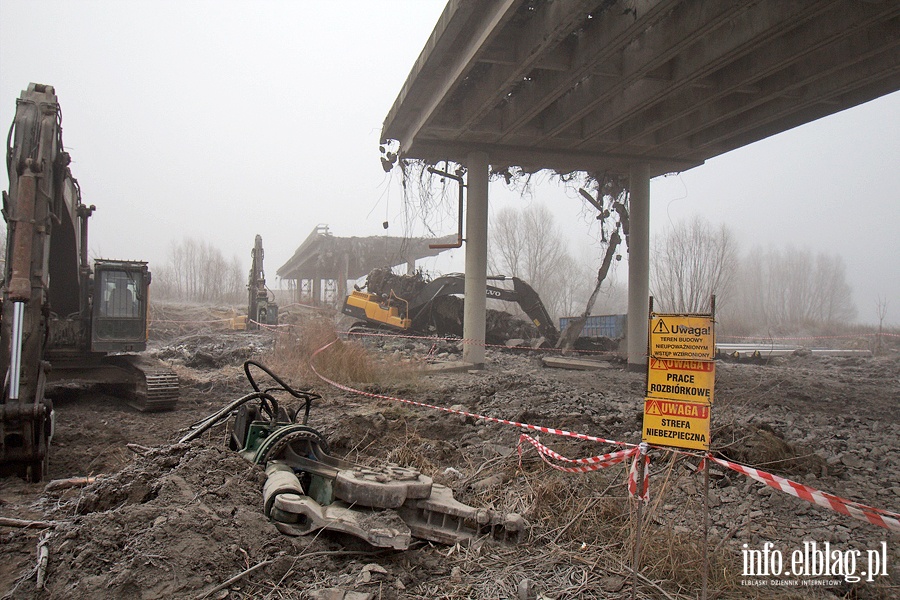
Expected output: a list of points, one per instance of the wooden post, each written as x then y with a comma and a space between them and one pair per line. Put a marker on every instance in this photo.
635, 564
712, 312
705, 528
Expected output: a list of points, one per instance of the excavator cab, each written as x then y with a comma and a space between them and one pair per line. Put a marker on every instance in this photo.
119, 322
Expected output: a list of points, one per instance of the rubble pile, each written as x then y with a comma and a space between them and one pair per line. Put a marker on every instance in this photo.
177, 519
214, 350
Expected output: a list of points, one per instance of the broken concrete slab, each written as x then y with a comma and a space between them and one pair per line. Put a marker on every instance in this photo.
578, 364
455, 366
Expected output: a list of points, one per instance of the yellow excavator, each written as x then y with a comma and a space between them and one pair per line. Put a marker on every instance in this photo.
403, 303
63, 322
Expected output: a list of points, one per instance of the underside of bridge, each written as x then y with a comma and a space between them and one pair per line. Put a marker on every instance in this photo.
633, 87
323, 264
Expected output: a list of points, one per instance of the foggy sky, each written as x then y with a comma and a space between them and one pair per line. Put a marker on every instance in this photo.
221, 120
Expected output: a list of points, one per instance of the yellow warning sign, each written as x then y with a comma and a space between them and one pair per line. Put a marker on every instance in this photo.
681, 337
689, 380
675, 423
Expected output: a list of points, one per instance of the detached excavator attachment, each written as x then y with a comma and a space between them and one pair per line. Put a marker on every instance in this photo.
308, 489
386, 505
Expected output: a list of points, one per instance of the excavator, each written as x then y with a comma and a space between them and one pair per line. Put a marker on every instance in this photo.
63, 322
410, 304
261, 310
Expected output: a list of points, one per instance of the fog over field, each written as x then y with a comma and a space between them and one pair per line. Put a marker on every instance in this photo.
221, 120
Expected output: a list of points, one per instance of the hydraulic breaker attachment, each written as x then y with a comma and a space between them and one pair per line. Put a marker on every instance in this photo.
382, 505
308, 489
295, 513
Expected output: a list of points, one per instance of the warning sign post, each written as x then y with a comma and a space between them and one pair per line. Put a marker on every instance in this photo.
690, 380
682, 337
681, 377
676, 423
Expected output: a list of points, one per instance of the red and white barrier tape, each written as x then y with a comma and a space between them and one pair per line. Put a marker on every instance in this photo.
192, 322
549, 430
269, 327
592, 463
633, 477
875, 516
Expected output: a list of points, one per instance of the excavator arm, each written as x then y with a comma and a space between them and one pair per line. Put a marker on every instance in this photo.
261, 310
38, 170
528, 299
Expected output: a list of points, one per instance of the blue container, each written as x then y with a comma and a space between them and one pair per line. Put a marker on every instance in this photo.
596, 326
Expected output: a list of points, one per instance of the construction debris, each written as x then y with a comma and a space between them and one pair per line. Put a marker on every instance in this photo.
579, 364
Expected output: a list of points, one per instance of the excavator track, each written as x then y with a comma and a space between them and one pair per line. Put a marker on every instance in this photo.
156, 391
154, 386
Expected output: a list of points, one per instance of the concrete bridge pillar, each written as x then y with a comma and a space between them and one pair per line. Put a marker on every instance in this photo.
476, 258
638, 265
316, 291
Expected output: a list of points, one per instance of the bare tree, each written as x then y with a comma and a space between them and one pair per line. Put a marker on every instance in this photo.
527, 243
792, 289
199, 272
881, 305
506, 243
575, 277
691, 263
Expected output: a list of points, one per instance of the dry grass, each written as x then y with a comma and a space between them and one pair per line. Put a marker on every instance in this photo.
169, 320
347, 362
581, 543
582, 532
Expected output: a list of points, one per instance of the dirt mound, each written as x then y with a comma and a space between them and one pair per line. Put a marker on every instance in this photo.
214, 350
176, 520
762, 447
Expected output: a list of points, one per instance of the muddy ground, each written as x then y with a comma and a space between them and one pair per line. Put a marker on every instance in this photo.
169, 520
